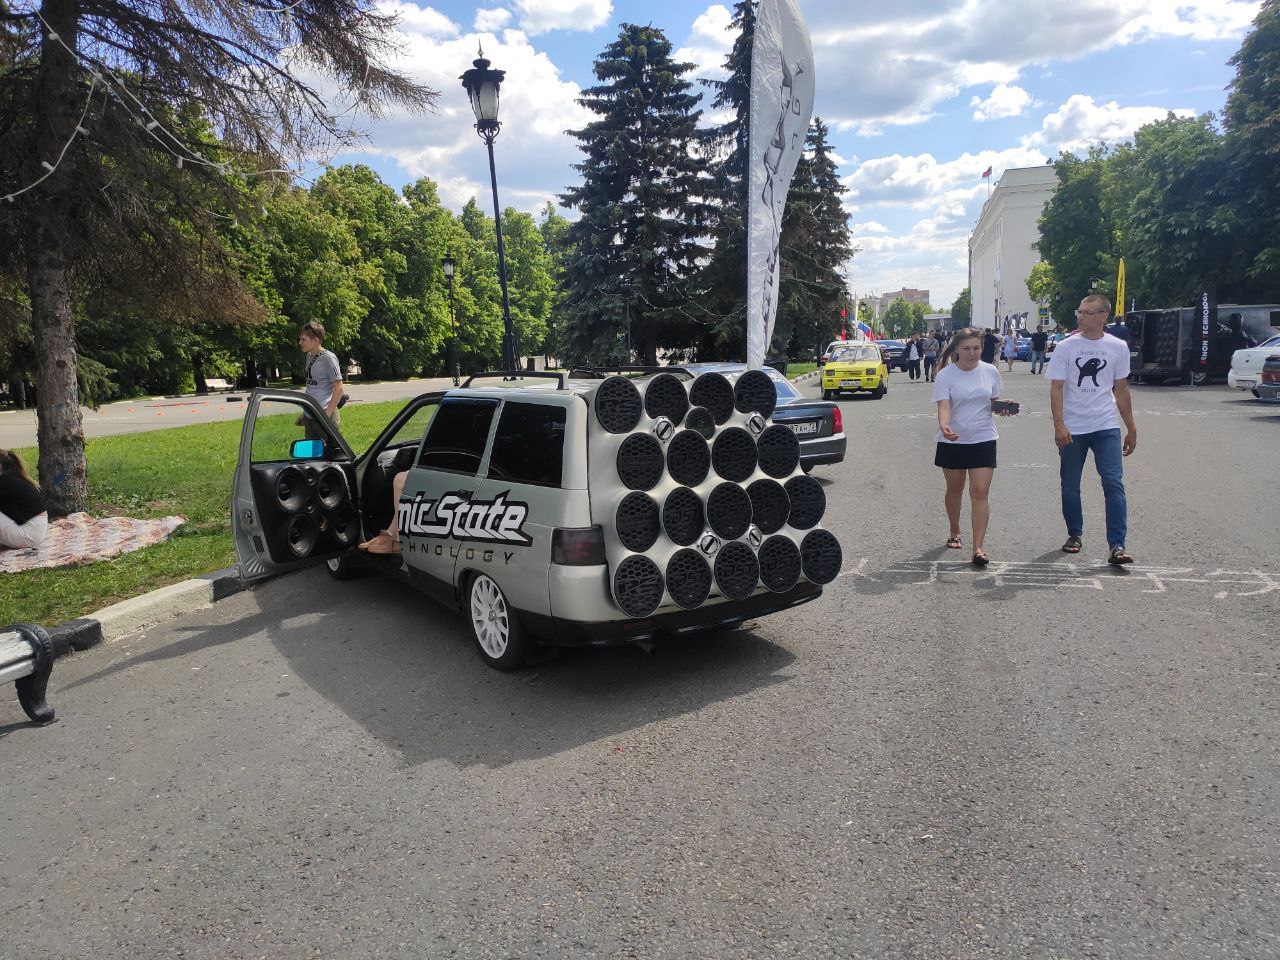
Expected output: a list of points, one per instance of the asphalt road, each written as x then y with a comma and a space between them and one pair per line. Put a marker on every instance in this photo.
1038, 760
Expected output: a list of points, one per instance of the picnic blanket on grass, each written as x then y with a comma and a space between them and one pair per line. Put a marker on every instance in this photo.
80, 538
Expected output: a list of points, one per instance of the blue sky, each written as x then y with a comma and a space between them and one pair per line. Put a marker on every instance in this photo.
921, 96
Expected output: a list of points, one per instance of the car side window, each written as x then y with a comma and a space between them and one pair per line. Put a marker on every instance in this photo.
459, 430
528, 446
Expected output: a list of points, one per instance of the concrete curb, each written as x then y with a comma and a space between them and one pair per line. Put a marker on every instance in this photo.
806, 376
143, 612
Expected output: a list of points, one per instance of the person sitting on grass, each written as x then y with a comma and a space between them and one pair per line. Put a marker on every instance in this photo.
24, 520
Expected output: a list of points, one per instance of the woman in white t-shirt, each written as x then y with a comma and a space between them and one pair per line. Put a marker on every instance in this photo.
963, 390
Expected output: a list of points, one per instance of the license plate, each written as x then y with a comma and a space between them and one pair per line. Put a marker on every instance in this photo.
848, 383
804, 428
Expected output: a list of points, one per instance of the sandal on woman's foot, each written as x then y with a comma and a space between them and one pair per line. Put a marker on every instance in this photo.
1072, 545
378, 544
953, 543
980, 558
1119, 556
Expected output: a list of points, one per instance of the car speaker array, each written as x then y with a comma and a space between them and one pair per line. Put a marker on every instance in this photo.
703, 493
312, 509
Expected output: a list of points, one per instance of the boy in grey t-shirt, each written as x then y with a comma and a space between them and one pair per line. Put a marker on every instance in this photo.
324, 373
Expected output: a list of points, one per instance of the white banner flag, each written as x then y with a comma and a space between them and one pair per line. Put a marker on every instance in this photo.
782, 88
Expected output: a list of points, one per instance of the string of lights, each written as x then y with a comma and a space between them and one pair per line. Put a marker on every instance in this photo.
49, 168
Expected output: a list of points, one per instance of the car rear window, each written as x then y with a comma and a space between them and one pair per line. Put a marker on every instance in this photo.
455, 442
529, 444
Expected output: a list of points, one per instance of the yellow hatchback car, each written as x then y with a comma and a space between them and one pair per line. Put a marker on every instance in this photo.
856, 367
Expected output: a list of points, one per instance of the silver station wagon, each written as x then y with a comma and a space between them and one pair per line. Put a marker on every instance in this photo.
568, 509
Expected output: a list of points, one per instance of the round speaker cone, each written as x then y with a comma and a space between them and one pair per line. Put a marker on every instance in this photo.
682, 516
821, 556
700, 420
769, 505
729, 511
737, 570
637, 586
289, 486
331, 488
712, 390
300, 534
637, 522
755, 393
666, 397
618, 405
688, 579
640, 462
688, 458
346, 526
310, 505
733, 454
779, 564
779, 451
808, 502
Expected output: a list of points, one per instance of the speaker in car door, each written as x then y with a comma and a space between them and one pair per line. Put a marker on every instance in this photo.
344, 525
290, 490
331, 487
300, 534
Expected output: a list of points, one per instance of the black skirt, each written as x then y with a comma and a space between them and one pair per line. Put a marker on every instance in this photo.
965, 456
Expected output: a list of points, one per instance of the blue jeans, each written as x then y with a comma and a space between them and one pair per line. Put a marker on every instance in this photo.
1037, 361
1108, 457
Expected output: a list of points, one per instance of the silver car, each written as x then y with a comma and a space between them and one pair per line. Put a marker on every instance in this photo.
592, 510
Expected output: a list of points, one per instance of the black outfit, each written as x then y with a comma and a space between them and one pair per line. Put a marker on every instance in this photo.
1119, 330
990, 343
1039, 340
965, 456
911, 355
20, 500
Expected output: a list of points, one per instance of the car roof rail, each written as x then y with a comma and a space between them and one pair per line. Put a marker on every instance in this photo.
600, 372
560, 377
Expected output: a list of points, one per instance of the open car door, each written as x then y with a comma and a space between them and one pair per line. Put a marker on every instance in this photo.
294, 499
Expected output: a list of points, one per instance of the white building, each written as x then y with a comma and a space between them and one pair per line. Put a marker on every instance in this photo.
1002, 248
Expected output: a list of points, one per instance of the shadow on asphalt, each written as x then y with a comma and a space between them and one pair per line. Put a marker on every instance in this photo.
404, 668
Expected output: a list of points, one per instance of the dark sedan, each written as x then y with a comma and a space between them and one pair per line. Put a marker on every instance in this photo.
892, 350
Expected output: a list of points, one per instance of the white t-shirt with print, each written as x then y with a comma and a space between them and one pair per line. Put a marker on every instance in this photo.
970, 393
1089, 370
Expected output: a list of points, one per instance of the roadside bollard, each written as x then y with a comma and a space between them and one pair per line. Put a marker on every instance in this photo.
26, 657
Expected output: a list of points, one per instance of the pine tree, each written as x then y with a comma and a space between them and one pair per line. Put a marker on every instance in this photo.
642, 202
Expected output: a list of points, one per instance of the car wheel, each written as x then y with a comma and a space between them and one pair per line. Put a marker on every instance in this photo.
500, 637
827, 394
879, 391
343, 567
807, 467
1256, 394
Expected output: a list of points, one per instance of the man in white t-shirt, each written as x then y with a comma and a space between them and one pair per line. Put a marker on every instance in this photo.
1089, 395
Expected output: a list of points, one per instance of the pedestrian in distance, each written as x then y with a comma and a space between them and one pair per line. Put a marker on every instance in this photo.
930, 346
963, 390
323, 378
911, 357
1089, 396
1010, 350
1039, 344
990, 344
24, 519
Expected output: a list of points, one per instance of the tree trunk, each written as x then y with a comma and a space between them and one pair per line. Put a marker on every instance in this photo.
197, 369
59, 430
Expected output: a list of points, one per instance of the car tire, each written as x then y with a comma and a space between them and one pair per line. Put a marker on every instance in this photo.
807, 467
344, 567
501, 639
828, 394
880, 391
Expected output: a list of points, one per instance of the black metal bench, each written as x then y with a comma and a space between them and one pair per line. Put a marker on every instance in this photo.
26, 657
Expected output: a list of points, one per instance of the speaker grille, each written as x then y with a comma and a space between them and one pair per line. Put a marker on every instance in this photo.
779, 451
808, 502
640, 462
346, 526
779, 564
637, 586
821, 555
700, 420
737, 571
289, 486
300, 534
688, 458
755, 393
769, 505
682, 516
734, 454
688, 579
637, 522
618, 405
712, 390
331, 488
729, 511
666, 397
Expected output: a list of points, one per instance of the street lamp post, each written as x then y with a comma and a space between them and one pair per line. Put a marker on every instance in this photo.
482, 85
446, 264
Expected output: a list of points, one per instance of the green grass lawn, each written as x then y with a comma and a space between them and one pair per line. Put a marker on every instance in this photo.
187, 471
797, 369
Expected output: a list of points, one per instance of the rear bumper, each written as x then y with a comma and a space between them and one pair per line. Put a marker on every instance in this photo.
823, 450
1270, 392
860, 383
1242, 381
576, 633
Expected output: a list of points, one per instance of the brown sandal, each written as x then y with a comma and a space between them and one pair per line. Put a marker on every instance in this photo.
953, 543
1119, 556
1072, 545
980, 558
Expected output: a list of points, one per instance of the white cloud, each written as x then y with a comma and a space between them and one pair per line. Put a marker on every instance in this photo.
539, 16
490, 20
922, 182
710, 41
1080, 123
423, 21
1005, 100
870, 227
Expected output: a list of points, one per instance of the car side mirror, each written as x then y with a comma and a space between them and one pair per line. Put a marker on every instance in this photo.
306, 450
